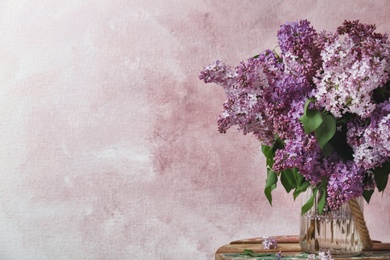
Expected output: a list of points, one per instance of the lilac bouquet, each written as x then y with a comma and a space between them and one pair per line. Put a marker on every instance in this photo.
320, 107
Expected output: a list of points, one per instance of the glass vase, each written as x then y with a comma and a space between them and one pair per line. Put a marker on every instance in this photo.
334, 231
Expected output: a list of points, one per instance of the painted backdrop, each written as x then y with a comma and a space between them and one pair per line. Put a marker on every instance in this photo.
109, 146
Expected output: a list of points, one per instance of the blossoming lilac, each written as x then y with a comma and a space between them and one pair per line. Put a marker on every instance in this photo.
341, 76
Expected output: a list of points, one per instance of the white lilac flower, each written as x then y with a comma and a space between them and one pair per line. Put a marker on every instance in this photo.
325, 256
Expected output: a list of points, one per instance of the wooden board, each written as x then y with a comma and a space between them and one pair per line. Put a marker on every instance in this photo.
290, 249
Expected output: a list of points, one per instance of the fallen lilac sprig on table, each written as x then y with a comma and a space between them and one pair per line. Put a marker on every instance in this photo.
322, 255
269, 243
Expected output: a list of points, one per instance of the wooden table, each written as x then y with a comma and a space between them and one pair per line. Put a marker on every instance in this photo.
290, 249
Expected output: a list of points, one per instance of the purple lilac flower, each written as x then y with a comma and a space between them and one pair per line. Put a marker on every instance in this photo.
359, 31
244, 88
299, 51
371, 143
258, 95
245, 106
353, 66
303, 153
301, 150
219, 73
345, 183
283, 103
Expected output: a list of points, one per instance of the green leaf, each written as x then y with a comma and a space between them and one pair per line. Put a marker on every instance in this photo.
287, 179
309, 204
267, 150
269, 154
367, 195
307, 103
299, 179
311, 120
327, 149
322, 202
251, 253
381, 175
301, 189
326, 130
270, 184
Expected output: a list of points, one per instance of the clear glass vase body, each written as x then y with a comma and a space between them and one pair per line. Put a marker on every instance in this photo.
333, 231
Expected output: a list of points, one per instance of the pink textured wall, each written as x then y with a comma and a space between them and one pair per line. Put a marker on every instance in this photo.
108, 141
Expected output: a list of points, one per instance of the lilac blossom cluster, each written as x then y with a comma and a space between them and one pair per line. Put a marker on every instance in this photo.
355, 61
321, 255
344, 183
270, 243
346, 74
371, 141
